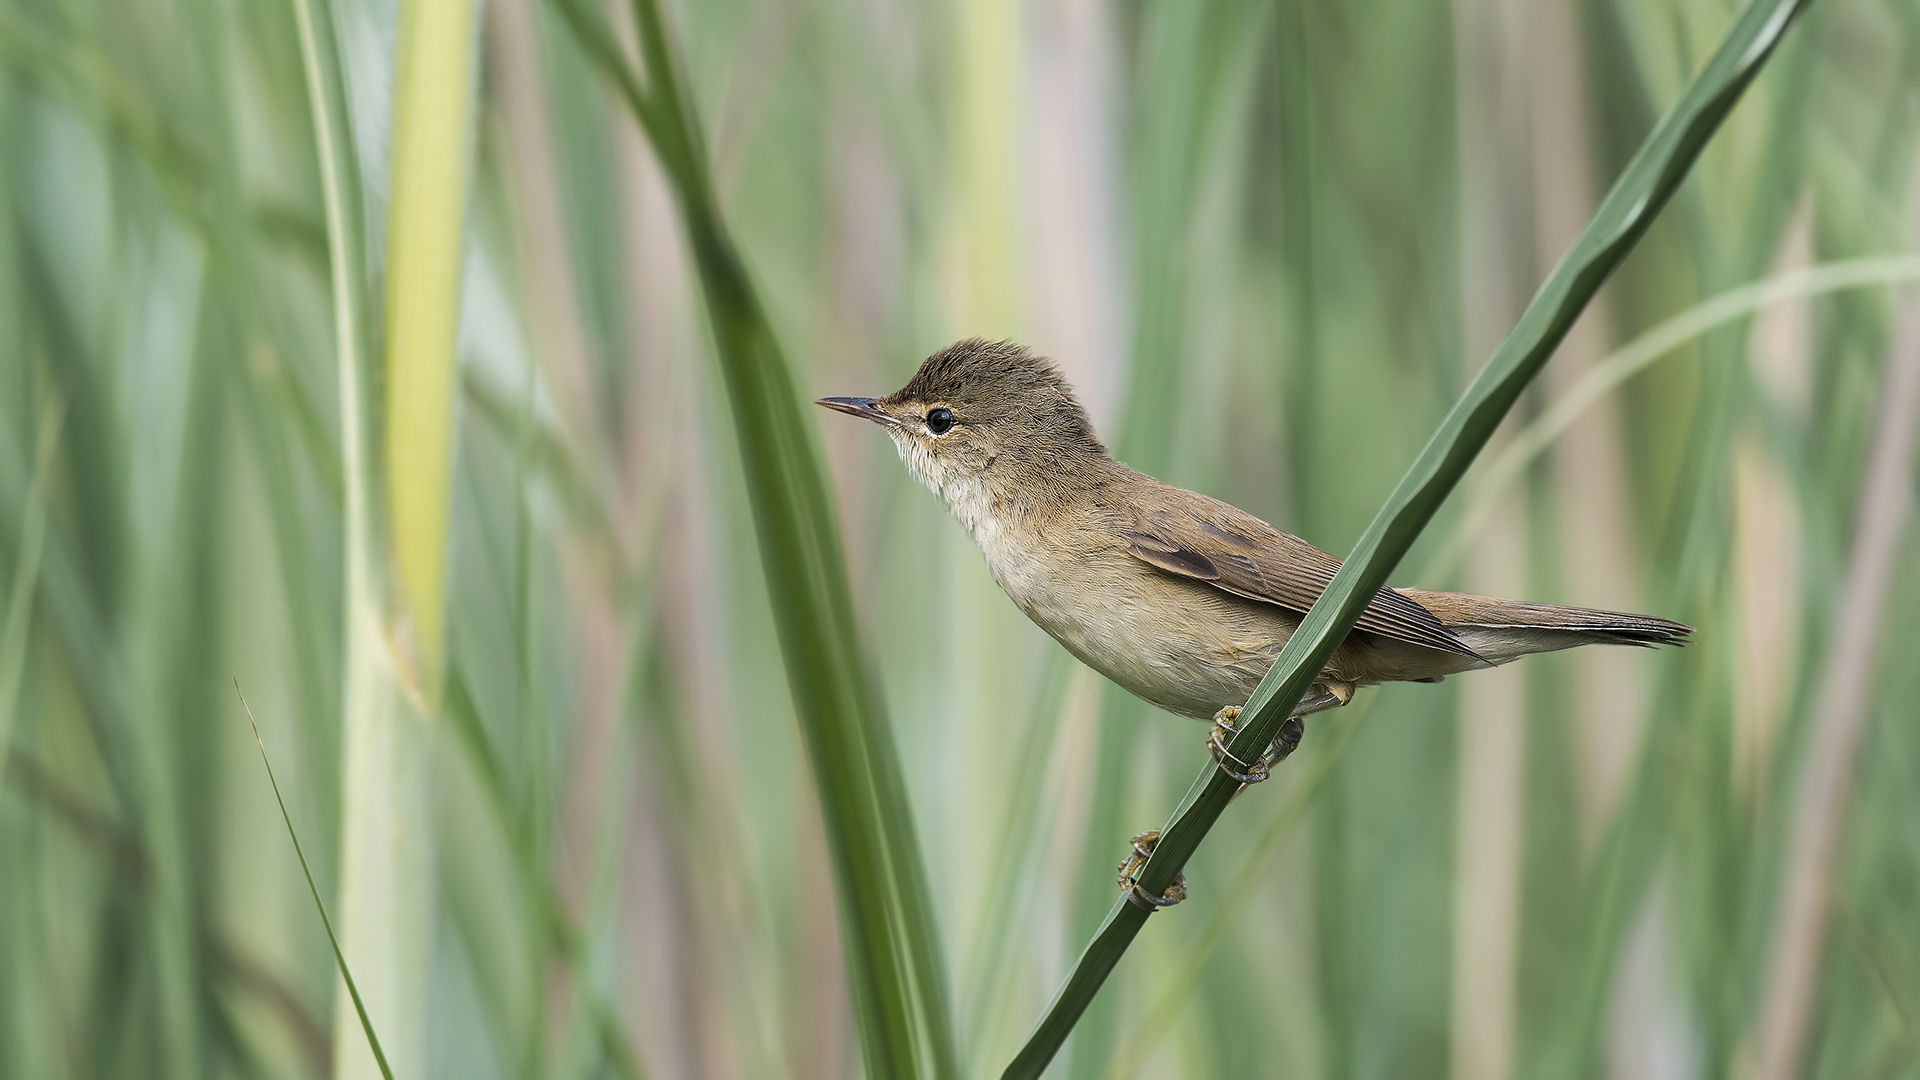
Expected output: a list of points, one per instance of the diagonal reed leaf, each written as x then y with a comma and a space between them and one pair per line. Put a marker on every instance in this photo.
1142, 1036
339, 958
1662, 162
893, 959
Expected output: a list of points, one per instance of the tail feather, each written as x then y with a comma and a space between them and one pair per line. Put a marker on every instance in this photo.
1504, 629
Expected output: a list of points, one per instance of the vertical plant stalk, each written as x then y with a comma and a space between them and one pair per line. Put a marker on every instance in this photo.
893, 960
364, 650
988, 74
1297, 209
1637, 197
1593, 506
1192, 65
432, 128
1841, 711
26, 575
340, 255
1489, 799
385, 835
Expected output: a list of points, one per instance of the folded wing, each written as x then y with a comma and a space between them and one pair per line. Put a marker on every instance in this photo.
1208, 540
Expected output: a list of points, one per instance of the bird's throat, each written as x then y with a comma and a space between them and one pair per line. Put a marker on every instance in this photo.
966, 494
971, 497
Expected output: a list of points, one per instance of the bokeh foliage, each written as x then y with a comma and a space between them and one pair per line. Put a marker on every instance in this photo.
1257, 235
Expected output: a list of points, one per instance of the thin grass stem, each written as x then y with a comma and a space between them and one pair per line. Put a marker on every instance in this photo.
339, 958
1638, 355
1842, 708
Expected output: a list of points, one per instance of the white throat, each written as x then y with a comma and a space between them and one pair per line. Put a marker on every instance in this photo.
971, 500
966, 495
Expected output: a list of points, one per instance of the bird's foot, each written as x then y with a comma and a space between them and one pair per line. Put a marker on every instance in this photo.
1136, 860
1285, 743
1283, 746
1223, 732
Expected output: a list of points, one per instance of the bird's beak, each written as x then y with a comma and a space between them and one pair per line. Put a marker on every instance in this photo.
857, 406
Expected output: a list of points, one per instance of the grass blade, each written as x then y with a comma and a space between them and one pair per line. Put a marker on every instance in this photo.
1656, 171
339, 958
893, 960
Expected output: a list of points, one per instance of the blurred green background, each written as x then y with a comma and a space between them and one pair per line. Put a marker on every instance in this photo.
1269, 242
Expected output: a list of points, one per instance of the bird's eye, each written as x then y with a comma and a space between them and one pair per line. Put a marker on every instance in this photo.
939, 421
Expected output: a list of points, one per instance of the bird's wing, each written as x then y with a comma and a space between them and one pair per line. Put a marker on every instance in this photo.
1197, 537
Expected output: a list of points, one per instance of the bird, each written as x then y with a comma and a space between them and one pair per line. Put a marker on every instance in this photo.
1181, 599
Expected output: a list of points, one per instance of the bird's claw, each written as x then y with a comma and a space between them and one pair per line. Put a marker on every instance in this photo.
1283, 745
1136, 860
1223, 731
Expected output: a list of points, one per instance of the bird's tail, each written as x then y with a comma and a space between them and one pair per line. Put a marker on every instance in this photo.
1500, 630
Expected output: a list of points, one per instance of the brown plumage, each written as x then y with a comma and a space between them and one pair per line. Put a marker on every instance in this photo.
1182, 599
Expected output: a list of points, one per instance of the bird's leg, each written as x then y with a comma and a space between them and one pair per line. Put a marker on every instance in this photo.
1329, 694
1333, 694
1136, 860
1325, 694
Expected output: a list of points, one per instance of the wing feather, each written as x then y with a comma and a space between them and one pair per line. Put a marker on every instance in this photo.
1205, 539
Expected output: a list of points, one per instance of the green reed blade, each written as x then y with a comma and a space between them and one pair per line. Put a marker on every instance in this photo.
893, 959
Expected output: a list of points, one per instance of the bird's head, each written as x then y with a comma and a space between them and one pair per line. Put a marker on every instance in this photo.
984, 417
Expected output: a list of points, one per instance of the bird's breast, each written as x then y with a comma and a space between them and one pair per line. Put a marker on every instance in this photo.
1177, 644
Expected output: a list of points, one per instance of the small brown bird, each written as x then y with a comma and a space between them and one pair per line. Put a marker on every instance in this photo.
1180, 598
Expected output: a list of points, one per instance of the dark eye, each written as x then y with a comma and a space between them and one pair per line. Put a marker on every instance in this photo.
939, 421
